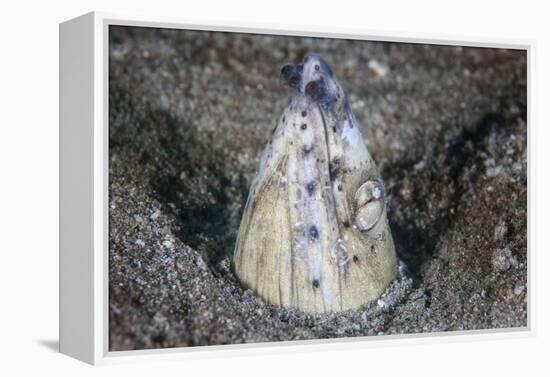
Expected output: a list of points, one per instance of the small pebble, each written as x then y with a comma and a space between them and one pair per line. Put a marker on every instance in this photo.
500, 231
381, 69
493, 172
155, 215
503, 259
518, 289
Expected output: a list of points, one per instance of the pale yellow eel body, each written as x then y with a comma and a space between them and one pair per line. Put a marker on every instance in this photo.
314, 234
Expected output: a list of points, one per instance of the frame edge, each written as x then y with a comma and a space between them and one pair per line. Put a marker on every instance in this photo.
76, 119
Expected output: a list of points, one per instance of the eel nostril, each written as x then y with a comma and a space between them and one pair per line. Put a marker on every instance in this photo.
313, 89
286, 71
291, 75
318, 91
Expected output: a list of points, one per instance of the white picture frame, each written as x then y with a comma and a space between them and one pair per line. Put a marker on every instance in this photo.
84, 192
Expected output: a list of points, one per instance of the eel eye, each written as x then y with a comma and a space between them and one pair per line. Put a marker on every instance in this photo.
370, 202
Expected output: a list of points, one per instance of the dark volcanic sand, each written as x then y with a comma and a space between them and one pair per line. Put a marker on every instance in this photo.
189, 115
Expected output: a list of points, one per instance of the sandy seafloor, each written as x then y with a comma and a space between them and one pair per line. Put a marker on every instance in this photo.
189, 115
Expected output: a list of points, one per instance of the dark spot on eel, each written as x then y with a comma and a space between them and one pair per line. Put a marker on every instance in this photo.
310, 187
304, 113
303, 126
316, 67
355, 259
313, 232
346, 224
334, 168
307, 149
315, 283
339, 187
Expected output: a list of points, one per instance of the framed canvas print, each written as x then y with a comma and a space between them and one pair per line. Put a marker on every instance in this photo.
230, 188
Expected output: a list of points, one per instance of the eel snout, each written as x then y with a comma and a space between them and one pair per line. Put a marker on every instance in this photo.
314, 234
313, 78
